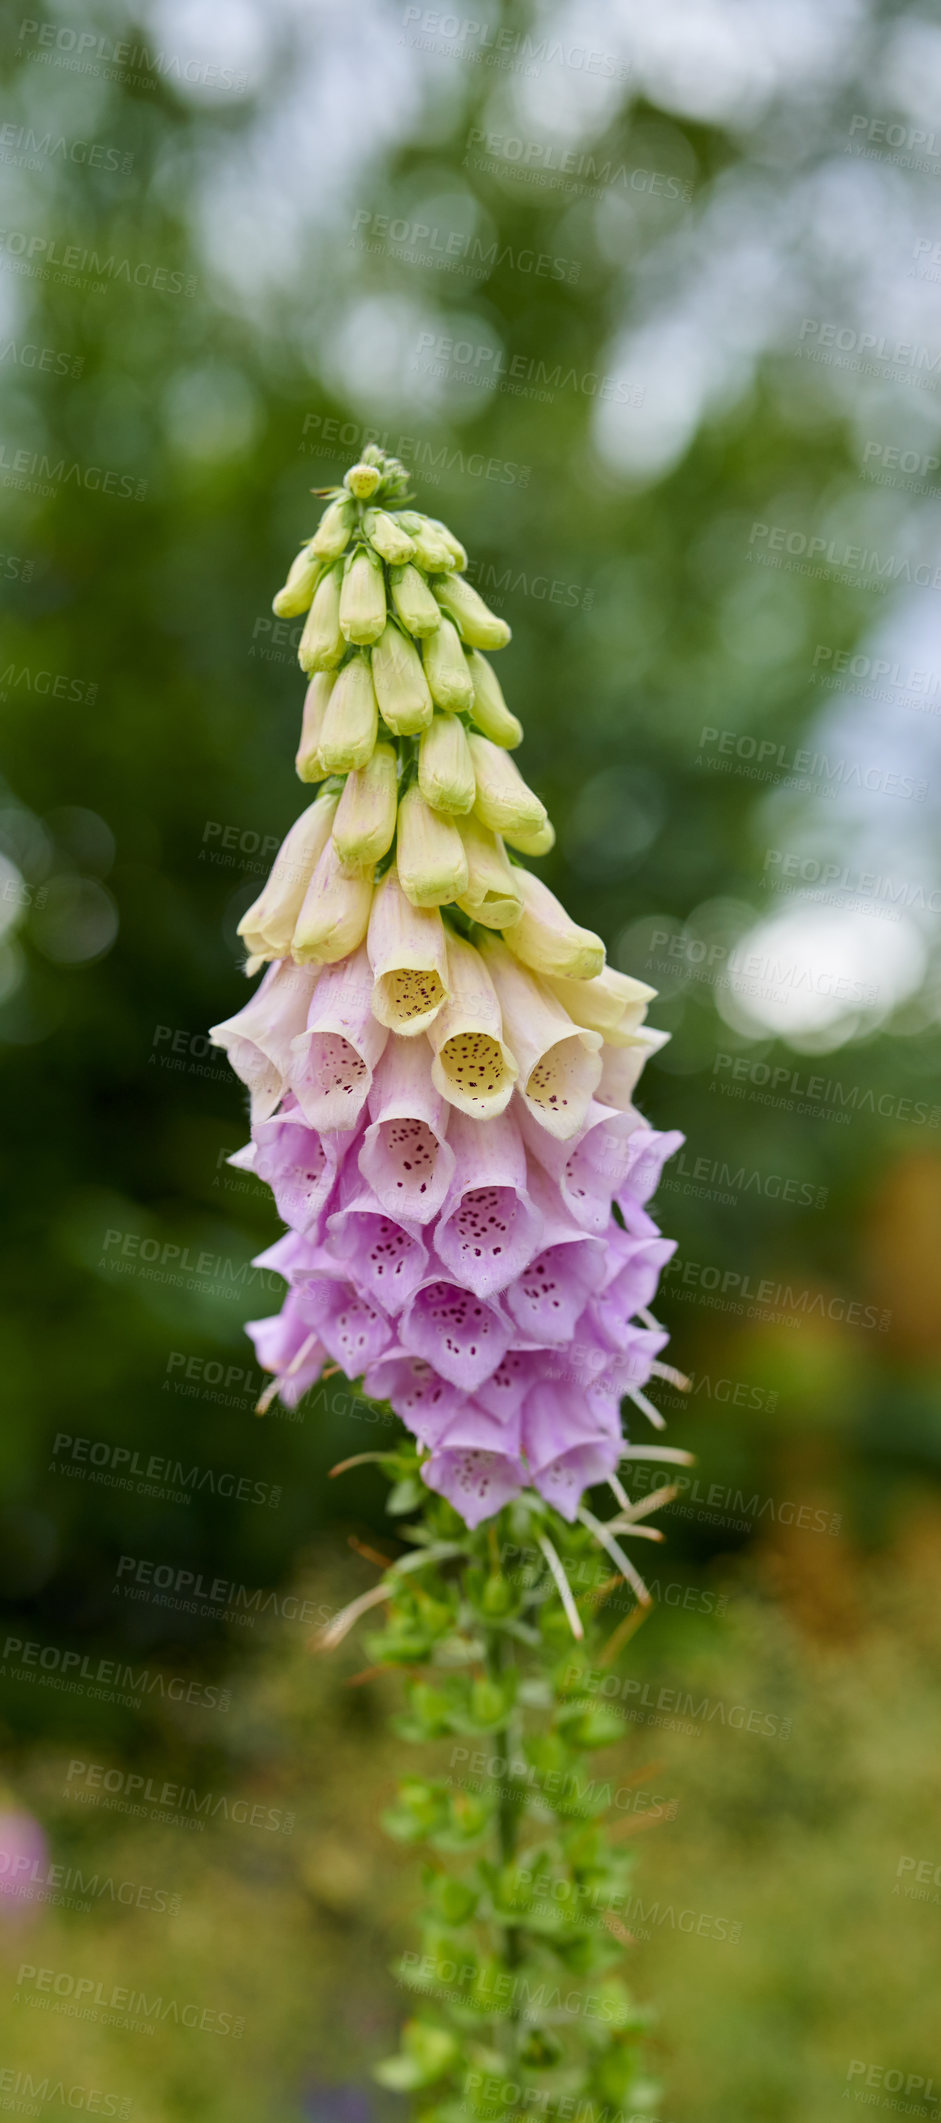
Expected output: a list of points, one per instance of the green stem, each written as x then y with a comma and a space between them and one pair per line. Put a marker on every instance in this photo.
507, 1837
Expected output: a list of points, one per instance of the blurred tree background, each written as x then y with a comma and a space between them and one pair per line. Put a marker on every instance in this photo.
648, 303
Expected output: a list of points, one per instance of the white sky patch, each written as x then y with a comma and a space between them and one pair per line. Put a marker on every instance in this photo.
817, 977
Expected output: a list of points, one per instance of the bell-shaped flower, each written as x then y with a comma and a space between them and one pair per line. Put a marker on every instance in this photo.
559, 1063
622, 1066
268, 926
334, 530
588, 1169
301, 1166
309, 765
476, 1466
405, 1156
363, 597
491, 895
504, 802
473, 1067
489, 1228
424, 1401
549, 1296
633, 1272
540, 842
334, 1057
384, 1259
546, 939
398, 675
648, 1151
449, 679
612, 1003
445, 768
481, 628
258, 1039
350, 725
353, 1331
566, 1450
429, 854
335, 915
364, 826
303, 575
408, 954
504, 1392
323, 643
418, 610
287, 1346
461, 1336
489, 709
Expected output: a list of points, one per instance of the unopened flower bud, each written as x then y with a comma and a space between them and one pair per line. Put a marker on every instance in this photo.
364, 827
310, 766
351, 719
445, 769
387, 535
491, 895
540, 842
446, 669
457, 551
401, 686
547, 939
504, 802
473, 1067
431, 550
408, 954
479, 626
413, 601
612, 1003
268, 926
333, 919
363, 597
300, 586
332, 535
323, 643
489, 710
429, 853
362, 480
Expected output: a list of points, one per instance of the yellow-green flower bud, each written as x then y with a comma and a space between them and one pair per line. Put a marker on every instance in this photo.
538, 843
446, 669
332, 535
364, 827
490, 711
431, 550
335, 915
429, 853
323, 643
386, 534
613, 1004
504, 802
401, 686
362, 480
479, 626
413, 601
409, 959
267, 929
300, 586
547, 939
454, 547
351, 719
363, 597
492, 895
310, 766
445, 769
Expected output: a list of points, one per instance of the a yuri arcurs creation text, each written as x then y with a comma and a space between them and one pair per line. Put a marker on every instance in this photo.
441, 1073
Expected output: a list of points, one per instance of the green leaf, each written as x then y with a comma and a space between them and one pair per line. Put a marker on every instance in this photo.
427, 2053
